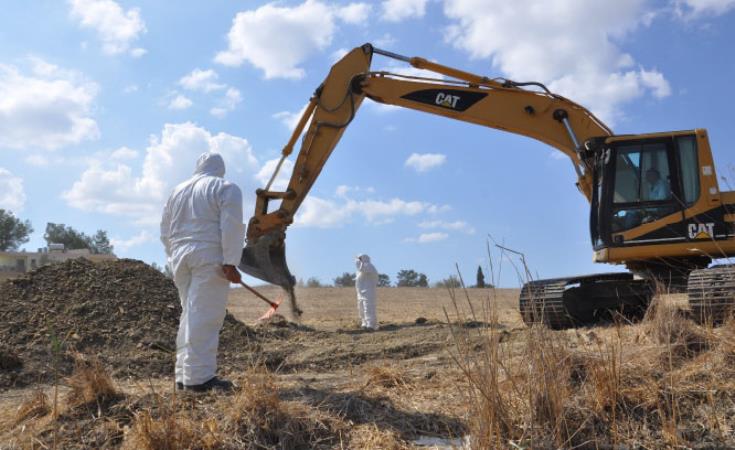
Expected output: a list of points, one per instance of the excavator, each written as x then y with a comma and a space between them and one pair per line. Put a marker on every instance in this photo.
656, 206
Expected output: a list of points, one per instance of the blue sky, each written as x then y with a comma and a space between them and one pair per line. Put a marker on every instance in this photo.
105, 105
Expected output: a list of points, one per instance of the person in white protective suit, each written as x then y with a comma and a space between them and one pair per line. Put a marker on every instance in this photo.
203, 233
366, 283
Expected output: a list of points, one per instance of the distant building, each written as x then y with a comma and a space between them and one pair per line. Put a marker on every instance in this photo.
13, 263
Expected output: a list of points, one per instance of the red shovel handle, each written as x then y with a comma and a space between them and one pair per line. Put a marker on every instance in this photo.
259, 295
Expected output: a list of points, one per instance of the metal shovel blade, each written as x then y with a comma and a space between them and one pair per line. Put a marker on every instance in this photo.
265, 258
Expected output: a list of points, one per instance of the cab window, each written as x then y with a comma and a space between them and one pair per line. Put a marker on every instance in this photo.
642, 190
687, 151
642, 174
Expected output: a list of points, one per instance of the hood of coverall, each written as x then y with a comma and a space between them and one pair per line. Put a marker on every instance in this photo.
210, 164
363, 264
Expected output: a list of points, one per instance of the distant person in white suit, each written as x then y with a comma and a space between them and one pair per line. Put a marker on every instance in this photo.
366, 283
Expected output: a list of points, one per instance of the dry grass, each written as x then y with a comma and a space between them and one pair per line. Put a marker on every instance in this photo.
171, 433
32, 408
261, 419
90, 384
386, 377
663, 383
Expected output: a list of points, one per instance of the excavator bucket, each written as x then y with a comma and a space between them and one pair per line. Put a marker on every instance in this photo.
265, 258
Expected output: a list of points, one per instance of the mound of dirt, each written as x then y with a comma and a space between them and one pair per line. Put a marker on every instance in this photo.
124, 312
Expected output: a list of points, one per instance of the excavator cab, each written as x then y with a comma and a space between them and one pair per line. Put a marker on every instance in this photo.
652, 193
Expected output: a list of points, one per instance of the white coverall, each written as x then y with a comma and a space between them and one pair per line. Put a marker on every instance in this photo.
366, 283
202, 230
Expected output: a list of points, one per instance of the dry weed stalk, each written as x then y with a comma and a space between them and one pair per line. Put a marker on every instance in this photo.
34, 407
90, 383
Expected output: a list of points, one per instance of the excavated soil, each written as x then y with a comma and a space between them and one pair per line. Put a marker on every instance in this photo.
124, 312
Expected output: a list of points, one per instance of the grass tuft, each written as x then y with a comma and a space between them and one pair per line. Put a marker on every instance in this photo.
32, 408
386, 377
90, 384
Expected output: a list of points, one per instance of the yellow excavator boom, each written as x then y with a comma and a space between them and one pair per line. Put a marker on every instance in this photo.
500, 104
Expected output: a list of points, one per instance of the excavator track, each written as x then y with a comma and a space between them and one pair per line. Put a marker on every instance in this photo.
712, 294
583, 300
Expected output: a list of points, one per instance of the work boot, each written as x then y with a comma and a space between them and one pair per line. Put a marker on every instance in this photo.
213, 384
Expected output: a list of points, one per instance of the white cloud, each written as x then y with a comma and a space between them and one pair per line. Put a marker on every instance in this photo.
139, 194
116, 28
376, 210
206, 81
12, 195
201, 80
123, 245
354, 13
436, 209
426, 238
291, 119
138, 52
386, 40
49, 109
228, 103
422, 162
570, 45
37, 160
179, 102
277, 39
322, 213
129, 89
266, 172
656, 82
123, 154
398, 10
697, 8
343, 190
458, 225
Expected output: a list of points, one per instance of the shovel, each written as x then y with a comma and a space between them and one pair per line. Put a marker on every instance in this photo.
273, 305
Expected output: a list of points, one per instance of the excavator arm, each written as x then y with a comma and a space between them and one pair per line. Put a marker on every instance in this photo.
494, 103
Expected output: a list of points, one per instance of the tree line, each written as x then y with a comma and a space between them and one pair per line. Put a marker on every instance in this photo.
15, 232
404, 278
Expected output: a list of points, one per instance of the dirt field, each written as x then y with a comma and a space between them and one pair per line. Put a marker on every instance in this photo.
419, 382
399, 383
332, 308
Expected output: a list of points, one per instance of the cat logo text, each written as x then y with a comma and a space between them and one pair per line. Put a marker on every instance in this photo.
447, 100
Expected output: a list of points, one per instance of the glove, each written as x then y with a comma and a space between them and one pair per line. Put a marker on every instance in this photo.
231, 273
